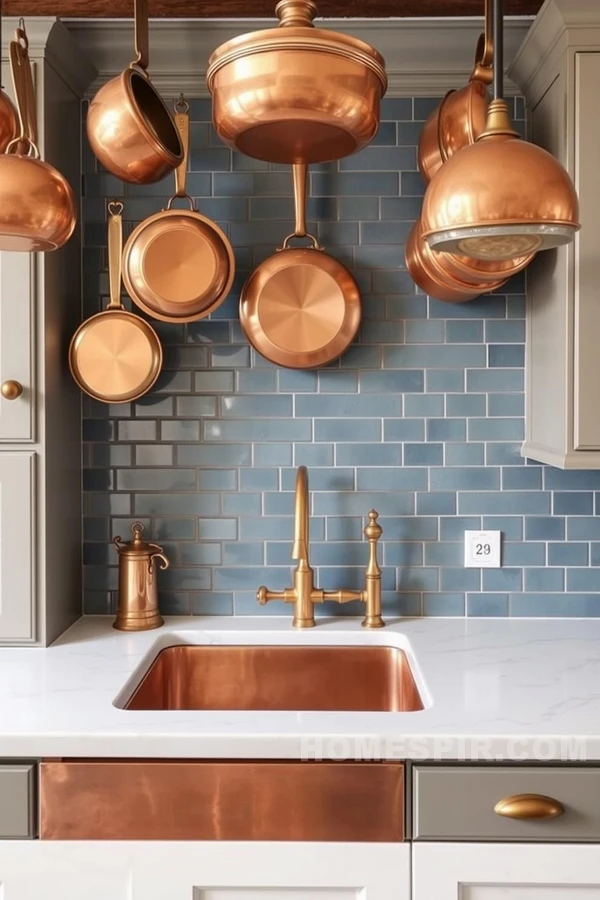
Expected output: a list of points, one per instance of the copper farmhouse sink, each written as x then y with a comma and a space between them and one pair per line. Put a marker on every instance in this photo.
267, 677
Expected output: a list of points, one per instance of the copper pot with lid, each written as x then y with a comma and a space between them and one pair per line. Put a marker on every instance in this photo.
138, 591
296, 93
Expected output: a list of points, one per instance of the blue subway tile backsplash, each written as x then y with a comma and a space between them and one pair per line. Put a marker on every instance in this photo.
422, 418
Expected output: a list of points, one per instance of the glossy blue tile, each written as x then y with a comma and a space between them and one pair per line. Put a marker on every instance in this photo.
456, 579
452, 528
544, 528
404, 430
257, 430
502, 356
524, 554
522, 478
403, 554
433, 356
217, 455
502, 429
424, 331
506, 331
260, 381
464, 331
422, 454
345, 528
273, 454
583, 528
423, 405
458, 478
495, 380
503, 453
571, 479
463, 454
392, 382
353, 184
436, 504
386, 504
337, 381
571, 554
464, 405
418, 578
398, 479
196, 406
170, 479
573, 503
213, 382
504, 579
387, 159
256, 406
545, 579
443, 380
446, 429
444, 604
487, 605
247, 504
379, 333
504, 502
344, 430
583, 579
510, 526
344, 406
330, 478
314, 455
559, 605
506, 404
400, 209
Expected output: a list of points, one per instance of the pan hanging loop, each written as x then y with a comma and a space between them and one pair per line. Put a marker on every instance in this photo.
181, 105
286, 243
115, 207
181, 197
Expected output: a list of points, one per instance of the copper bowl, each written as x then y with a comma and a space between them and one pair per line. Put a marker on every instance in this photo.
296, 93
456, 123
131, 130
430, 272
37, 206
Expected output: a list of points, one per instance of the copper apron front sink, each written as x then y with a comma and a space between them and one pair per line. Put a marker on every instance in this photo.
240, 677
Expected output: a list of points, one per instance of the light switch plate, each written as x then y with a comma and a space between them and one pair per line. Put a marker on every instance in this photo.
482, 549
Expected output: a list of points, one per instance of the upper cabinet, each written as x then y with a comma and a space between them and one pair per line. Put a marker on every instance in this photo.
558, 70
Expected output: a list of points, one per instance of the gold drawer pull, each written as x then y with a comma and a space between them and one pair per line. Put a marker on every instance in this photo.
11, 390
529, 806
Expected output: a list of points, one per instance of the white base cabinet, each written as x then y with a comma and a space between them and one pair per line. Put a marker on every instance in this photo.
107, 870
460, 871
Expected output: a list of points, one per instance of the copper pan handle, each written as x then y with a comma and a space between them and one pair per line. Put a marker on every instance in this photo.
182, 124
115, 244
300, 174
22, 79
142, 48
484, 54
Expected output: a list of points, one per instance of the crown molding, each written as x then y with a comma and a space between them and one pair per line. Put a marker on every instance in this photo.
51, 41
424, 57
559, 25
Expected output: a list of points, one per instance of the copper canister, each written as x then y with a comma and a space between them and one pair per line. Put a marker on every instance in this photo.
138, 591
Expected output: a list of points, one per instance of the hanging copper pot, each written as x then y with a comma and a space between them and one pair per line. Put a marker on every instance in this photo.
460, 118
37, 205
9, 122
296, 93
432, 273
129, 127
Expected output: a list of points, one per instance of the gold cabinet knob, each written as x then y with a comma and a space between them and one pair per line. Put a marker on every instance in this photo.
11, 390
529, 806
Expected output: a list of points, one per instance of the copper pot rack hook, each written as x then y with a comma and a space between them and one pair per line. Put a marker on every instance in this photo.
484, 53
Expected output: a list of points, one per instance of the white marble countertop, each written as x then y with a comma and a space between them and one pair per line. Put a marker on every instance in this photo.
494, 689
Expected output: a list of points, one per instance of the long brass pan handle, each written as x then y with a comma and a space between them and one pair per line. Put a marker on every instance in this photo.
529, 806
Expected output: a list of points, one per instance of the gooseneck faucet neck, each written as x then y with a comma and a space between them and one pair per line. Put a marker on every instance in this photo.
301, 539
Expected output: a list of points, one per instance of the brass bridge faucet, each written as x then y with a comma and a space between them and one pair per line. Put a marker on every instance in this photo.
304, 594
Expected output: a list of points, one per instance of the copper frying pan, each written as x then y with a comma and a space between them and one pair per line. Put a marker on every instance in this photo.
301, 307
115, 356
178, 265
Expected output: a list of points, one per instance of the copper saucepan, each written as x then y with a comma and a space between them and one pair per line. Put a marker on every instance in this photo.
296, 93
115, 356
460, 117
300, 308
178, 266
37, 206
129, 127
431, 272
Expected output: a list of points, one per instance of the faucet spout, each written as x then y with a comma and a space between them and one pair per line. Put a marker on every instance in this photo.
301, 540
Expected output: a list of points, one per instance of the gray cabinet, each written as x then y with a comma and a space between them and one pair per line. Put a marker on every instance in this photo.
40, 429
558, 70
18, 806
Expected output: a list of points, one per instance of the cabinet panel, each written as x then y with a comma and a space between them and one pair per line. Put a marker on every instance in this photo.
505, 872
587, 259
16, 356
273, 871
16, 545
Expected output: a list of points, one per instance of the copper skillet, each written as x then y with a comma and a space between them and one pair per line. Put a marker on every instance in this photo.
115, 356
301, 307
460, 117
178, 265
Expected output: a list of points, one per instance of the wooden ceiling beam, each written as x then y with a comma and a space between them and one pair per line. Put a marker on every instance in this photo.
199, 9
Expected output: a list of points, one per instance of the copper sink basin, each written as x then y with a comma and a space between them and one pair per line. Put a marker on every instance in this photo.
291, 677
